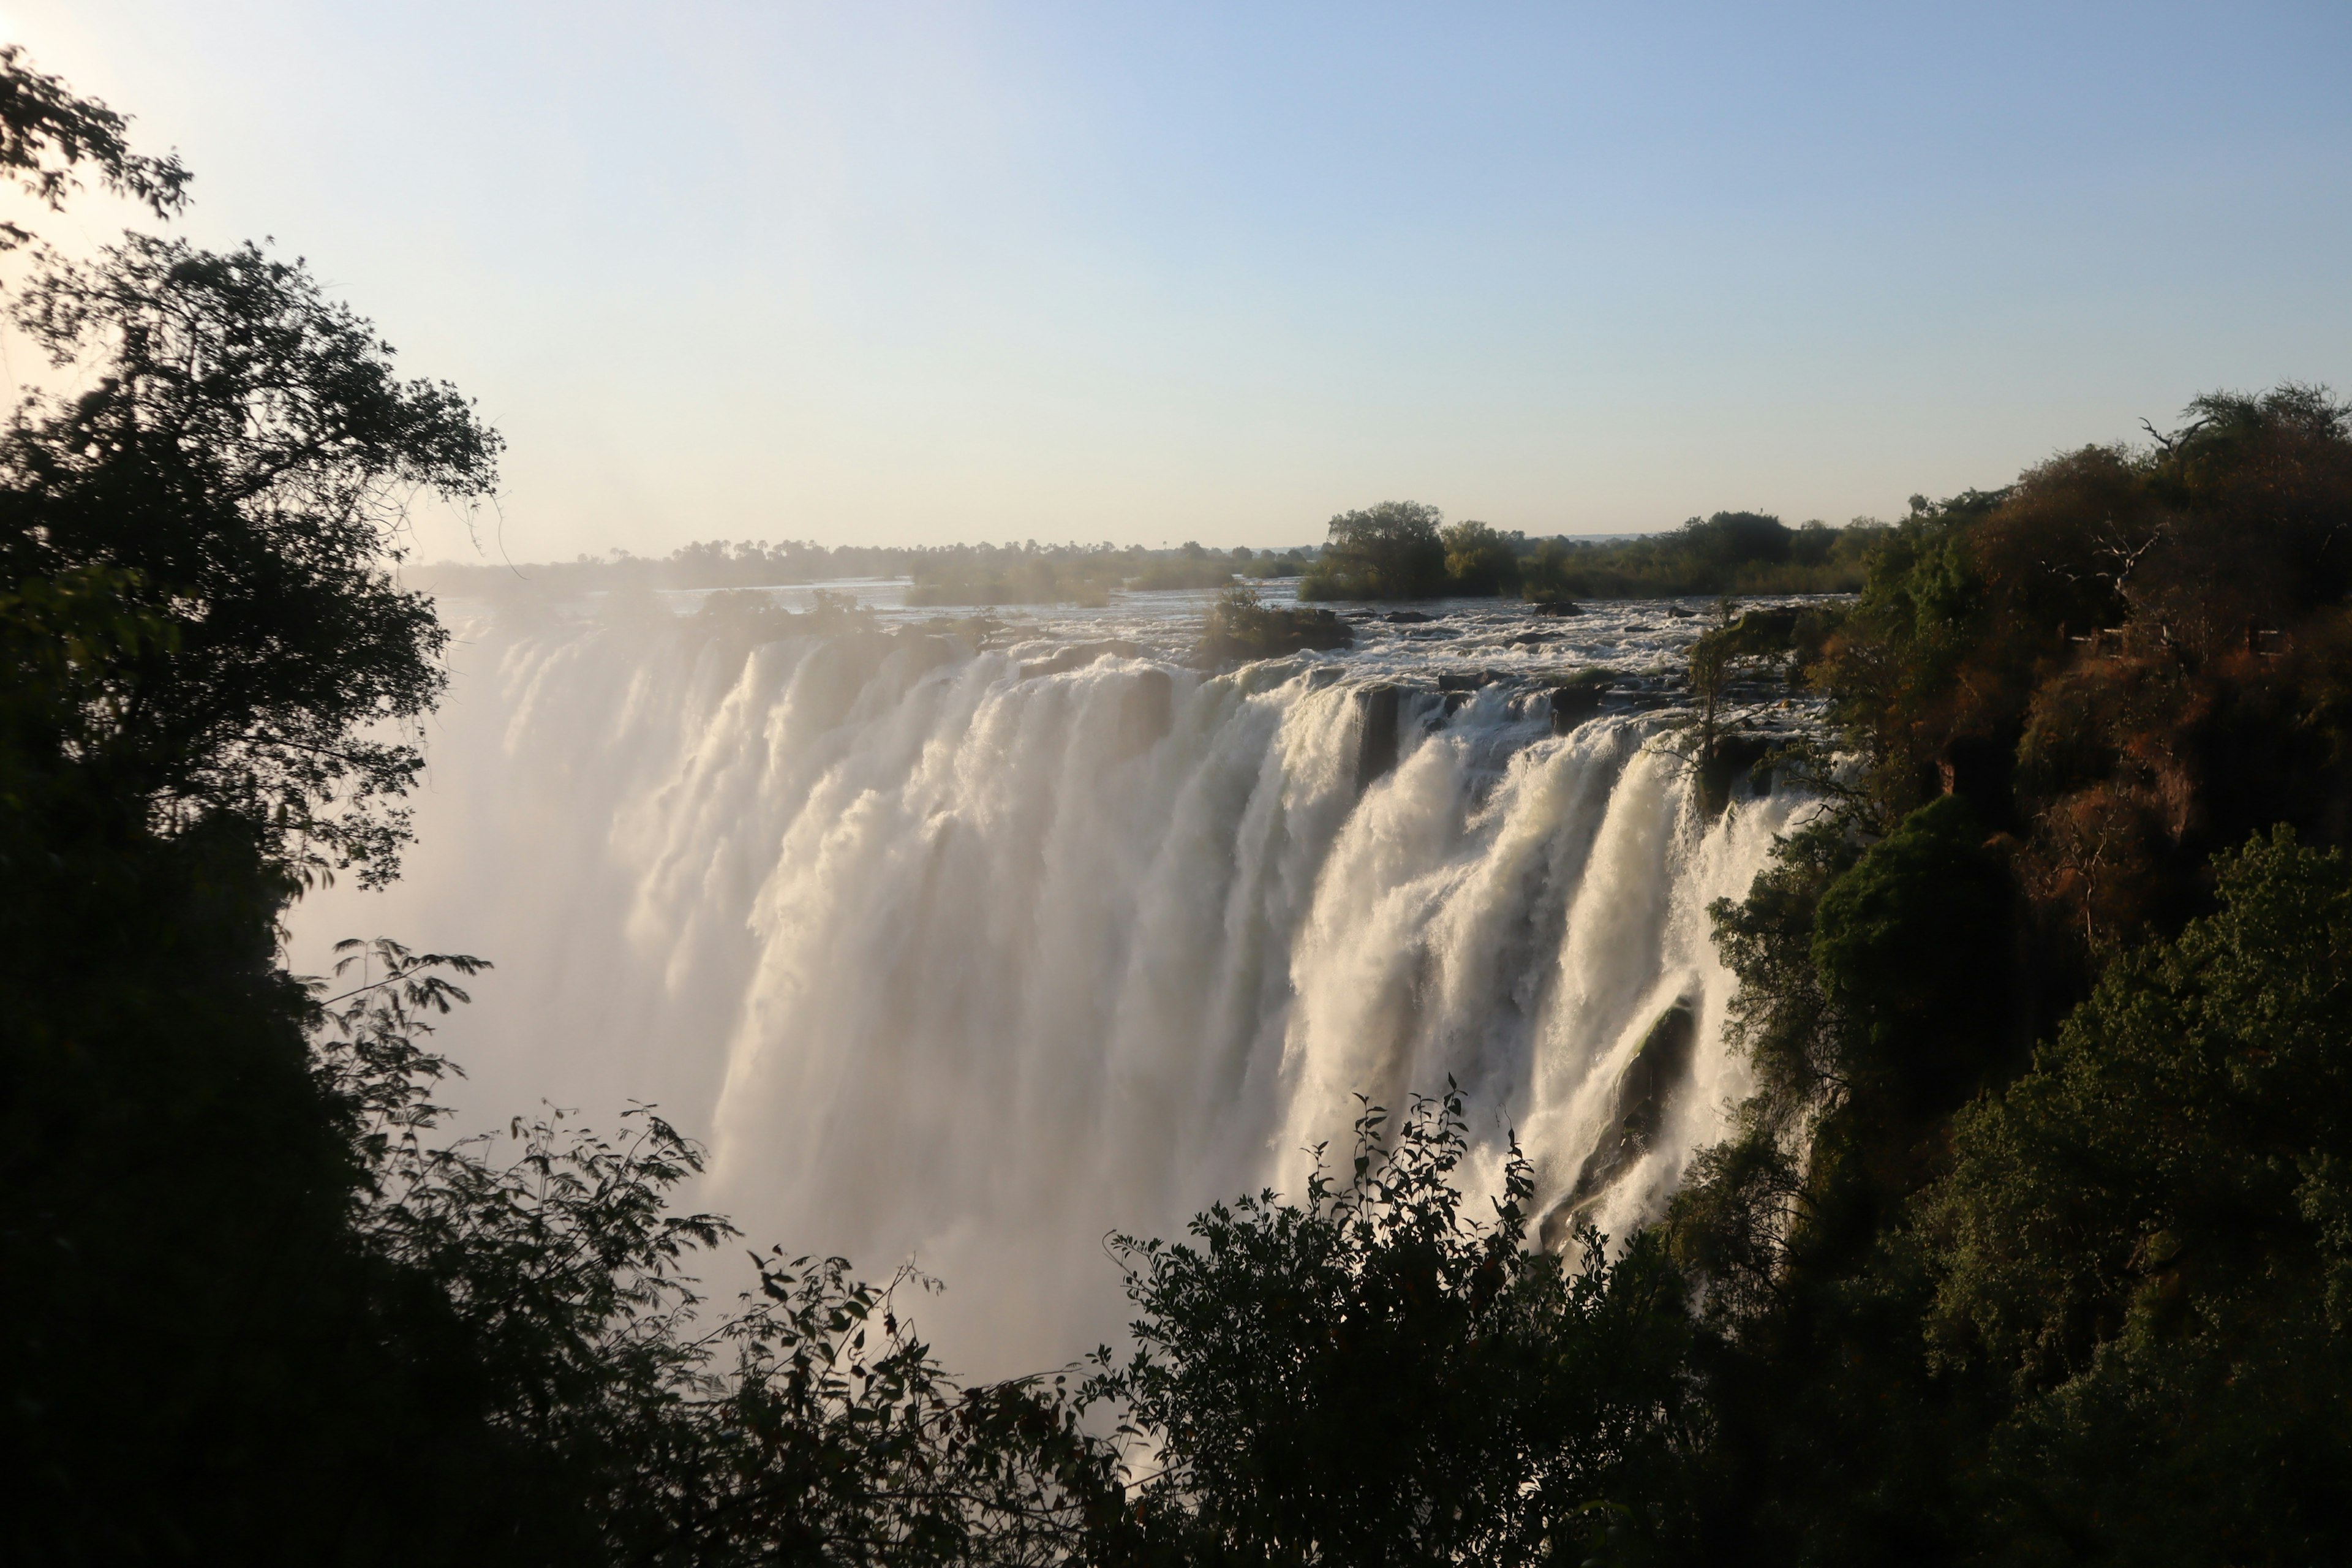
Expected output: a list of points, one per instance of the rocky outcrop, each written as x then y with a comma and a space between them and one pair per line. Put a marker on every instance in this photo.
1643, 1093
1376, 738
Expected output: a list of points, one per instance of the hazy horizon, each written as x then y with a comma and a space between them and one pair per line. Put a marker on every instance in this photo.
923, 274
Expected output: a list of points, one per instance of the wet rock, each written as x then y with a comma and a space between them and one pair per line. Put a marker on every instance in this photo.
1726, 760
1240, 630
1644, 1091
1574, 703
1147, 710
1376, 742
1406, 617
1554, 608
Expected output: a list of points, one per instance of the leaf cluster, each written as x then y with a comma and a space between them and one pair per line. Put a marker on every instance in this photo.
2149, 1236
236, 473
48, 133
1369, 1375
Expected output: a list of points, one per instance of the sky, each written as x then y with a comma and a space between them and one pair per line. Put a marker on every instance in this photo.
882, 273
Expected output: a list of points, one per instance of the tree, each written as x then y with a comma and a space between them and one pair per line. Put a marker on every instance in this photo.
198, 636
1391, 551
2148, 1239
1370, 1377
1873, 982
48, 133
1480, 559
1730, 540
241, 459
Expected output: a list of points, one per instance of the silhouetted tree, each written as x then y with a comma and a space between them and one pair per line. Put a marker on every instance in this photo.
1372, 1377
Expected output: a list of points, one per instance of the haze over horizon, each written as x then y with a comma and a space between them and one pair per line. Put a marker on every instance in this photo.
917, 274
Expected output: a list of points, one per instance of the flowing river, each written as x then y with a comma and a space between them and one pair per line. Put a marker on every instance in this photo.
954, 949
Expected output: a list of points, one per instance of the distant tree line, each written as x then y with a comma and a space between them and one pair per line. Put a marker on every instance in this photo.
1406, 550
1397, 549
2031, 1244
982, 574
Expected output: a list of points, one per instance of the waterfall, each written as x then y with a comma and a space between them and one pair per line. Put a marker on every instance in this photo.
951, 959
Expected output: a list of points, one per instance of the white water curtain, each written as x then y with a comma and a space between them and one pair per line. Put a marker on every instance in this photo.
948, 963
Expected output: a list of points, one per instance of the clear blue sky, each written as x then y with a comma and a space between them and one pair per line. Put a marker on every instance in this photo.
916, 273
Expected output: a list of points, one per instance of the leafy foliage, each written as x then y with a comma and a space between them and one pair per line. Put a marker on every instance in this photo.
239, 466
1370, 1376
1392, 550
2149, 1236
2054, 698
811, 1424
49, 133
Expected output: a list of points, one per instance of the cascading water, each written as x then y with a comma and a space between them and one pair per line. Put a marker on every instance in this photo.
953, 959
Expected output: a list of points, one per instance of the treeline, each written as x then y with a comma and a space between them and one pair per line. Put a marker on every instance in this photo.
1405, 550
1397, 549
990, 574
2033, 1243
1023, 573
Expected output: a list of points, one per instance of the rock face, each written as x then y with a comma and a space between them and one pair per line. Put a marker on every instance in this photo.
1147, 710
1731, 755
1376, 744
1644, 1090
1572, 705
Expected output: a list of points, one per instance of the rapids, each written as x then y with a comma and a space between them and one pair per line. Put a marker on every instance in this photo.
948, 961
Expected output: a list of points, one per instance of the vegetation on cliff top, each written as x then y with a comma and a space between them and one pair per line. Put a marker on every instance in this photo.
2090, 722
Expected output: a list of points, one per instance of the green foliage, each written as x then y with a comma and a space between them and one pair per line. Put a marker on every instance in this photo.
1480, 559
810, 1425
1372, 1377
1392, 550
2149, 1236
1729, 1223
1729, 553
1911, 947
1891, 674
1873, 982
